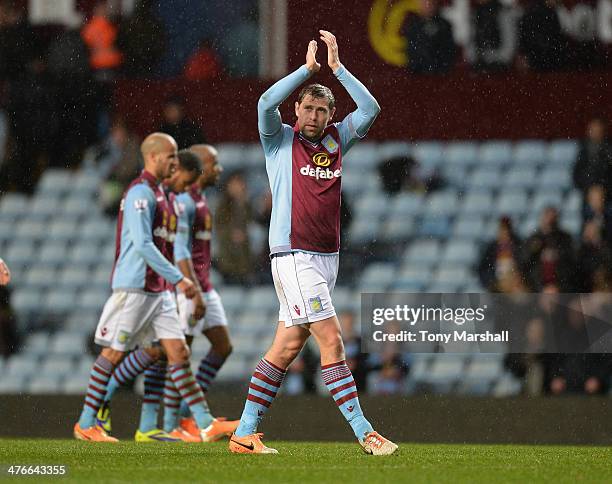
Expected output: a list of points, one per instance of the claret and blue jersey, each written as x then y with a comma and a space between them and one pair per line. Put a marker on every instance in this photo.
305, 176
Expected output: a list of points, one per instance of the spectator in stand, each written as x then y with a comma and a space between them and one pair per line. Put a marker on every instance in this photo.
203, 64
142, 40
232, 219
18, 42
9, 341
594, 258
598, 211
68, 61
431, 48
32, 108
121, 163
493, 44
178, 125
549, 254
500, 259
594, 163
541, 42
100, 36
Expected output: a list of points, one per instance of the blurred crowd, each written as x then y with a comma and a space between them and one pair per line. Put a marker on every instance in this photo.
504, 35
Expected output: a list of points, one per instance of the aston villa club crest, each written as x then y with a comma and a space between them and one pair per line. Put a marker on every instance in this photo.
330, 144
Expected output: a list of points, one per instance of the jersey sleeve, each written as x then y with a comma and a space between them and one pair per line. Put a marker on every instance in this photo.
186, 217
138, 212
269, 120
356, 124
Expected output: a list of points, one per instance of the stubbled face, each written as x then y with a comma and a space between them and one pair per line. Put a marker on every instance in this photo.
166, 160
313, 115
211, 171
181, 179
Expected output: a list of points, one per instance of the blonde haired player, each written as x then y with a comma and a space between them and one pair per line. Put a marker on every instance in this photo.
304, 165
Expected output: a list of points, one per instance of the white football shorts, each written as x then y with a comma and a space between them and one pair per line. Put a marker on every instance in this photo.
132, 319
214, 316
304, 283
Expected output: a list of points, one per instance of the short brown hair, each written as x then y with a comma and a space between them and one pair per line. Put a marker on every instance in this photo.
318, 91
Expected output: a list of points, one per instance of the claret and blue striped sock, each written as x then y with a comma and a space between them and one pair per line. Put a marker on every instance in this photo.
172, 400
190, 391
132, 365
96, 390
154, 380
264, 385
207, 371
339, 381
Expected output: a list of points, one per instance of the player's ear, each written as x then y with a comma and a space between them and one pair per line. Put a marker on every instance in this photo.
331, 115
297, 105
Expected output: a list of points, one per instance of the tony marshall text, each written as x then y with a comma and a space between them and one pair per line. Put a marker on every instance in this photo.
454, 337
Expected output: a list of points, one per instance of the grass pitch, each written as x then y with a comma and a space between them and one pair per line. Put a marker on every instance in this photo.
302, 462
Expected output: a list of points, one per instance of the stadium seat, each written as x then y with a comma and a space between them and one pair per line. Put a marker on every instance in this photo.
55, 365
412, 279
30, 231
36, 344
390, 149
43, 208
469, 227
261, 299
93, 299
52, 254
555, 177
85, 184
14, 207
457, 251
85, 254
573, 202
232, 297
44, 384
21, 365
521, 177
234, 370
477, 203
97, 229
13, 384
436, 227
54, 181
76, 278
398, 229
76, 208
545, 199
39, 278
355, 183
422, 252
374, 205
452, 276
20, 253
495, 153
484, 178
572, 223
512, 202
67, 343
563, 152
75, 384
442, 203
26, 302
362, 155
461, 153
445, 370
364, 231
60, 301
530, 152
344, 299
376, 277
429, 154
406, 204
82, 322
62, 230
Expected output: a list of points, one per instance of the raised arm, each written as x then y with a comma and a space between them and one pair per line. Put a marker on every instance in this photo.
357, 123
268, 116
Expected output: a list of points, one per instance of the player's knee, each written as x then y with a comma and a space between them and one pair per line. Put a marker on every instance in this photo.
290, 351
154, 352
178, 353
332, 342
114, 356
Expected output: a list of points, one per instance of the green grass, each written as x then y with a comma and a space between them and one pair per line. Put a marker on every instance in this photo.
340, 463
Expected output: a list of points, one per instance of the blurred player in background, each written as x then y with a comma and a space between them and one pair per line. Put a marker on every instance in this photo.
193, 257
141, 308
304, 165
5, 273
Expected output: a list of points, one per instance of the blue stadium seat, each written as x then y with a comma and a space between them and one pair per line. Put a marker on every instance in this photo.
97, 229
529, 225
43, 208
57, 364
231, 156
54, 181
460, 251
461, 153
232, 297
261, 298
398, 229
26, 302
469, 227
355, 182
572, 222
67, 343
422, 252
442, 203
394, 148
437, 227
405, 204
14, 207
83, 255
234, 370
344, 299
412, 279
521, 177
377, 277
76, 208
85, 184
485, 178
62, 230
60, 301
374, 205
555, 177
75, 384
531, 152
364, 230
36, 344
495, 153
52, 254
92, 299
44, 384
563, 152
445, 371
30, 231
477, 203
40, 278
362, 155
20, 366
20, 253
512, 202
73, 278
13, 384
430, 154
453, 276
573, 202
543, 199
